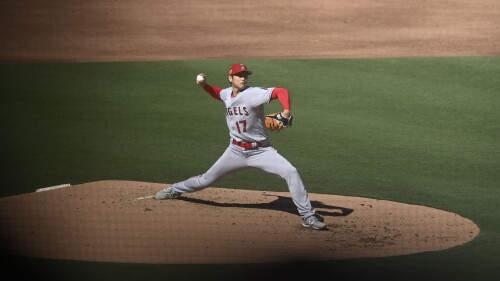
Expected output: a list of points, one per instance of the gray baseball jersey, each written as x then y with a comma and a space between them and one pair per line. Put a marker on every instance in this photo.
245, 113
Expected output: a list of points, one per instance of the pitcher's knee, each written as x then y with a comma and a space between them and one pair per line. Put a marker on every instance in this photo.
290, 171
203, 181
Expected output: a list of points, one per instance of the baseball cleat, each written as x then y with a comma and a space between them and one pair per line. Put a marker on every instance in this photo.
167, 193
315, 222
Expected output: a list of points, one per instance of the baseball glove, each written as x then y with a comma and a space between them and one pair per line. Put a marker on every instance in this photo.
275, 122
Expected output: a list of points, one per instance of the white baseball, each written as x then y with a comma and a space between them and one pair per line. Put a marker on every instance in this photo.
200, 79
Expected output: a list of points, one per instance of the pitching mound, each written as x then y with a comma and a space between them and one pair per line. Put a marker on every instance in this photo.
104, 221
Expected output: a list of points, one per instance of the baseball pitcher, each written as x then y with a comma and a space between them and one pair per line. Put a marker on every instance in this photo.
249, 144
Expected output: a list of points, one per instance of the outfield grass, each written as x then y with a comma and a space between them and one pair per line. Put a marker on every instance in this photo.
417, 130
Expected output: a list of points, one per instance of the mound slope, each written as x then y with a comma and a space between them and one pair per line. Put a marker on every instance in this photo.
104, 221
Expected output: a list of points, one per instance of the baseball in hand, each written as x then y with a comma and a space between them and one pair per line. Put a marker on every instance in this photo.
200, 78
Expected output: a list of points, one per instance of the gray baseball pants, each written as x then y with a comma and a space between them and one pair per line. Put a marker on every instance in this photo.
265, 158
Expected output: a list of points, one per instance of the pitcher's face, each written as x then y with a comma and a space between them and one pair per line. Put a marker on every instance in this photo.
239, 81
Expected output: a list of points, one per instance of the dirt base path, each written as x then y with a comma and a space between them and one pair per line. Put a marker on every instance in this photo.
57, 30
105, 221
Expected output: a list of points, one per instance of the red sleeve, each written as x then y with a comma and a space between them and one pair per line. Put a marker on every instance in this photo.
282, 95
213, 91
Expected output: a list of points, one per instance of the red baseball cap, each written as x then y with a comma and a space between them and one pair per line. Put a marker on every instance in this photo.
238, 68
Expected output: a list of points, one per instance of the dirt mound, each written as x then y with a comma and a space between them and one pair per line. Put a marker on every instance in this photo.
105, 221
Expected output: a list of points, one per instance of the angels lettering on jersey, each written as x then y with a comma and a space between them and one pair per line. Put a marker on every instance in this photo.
245, 113
237, 110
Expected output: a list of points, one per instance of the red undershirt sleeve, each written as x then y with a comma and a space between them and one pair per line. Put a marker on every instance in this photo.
213, 91
282, 95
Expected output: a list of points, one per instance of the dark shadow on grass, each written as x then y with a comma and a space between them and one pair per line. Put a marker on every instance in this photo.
282, 203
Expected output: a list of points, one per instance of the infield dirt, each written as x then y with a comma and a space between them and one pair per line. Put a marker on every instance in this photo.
105, 221
56, 30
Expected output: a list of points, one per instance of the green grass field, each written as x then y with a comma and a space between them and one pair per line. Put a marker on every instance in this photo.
417, 130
